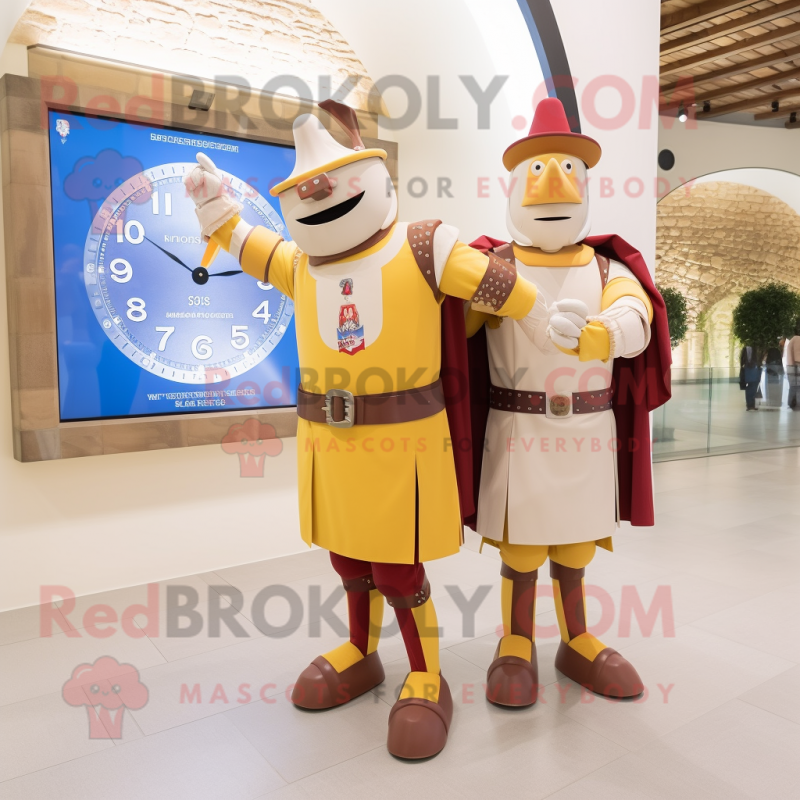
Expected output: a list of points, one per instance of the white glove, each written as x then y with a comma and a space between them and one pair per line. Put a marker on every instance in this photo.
567, 320
214, 206
628, 326
559, 323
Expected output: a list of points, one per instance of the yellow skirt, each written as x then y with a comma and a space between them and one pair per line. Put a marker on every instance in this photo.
359, 486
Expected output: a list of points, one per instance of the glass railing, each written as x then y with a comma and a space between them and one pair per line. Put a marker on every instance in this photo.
707, 415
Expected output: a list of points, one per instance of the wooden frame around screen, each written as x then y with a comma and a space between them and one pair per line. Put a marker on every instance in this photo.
39, 435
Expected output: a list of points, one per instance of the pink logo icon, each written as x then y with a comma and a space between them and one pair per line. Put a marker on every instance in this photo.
252, 441
106, 688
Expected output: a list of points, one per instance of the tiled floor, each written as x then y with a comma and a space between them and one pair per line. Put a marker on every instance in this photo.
721, 717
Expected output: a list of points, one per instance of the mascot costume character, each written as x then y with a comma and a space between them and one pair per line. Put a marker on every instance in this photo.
368, 293
563, 402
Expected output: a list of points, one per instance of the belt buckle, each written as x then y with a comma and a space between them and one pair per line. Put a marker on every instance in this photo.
349, 407
559, 406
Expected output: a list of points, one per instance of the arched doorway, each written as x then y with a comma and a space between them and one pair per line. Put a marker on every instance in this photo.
717, 238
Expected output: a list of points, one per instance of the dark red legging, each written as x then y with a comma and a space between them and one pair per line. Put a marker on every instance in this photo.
391, 580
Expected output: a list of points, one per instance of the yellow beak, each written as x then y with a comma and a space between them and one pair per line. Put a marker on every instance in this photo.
552, 186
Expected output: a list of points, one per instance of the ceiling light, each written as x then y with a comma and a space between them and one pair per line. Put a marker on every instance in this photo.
706, 107
682, 115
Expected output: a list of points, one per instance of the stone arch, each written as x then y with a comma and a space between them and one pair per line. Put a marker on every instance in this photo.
715, 241
717, 325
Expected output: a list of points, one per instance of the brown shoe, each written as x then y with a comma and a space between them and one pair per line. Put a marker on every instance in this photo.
418, 728
610, 674
513, 681
321, 686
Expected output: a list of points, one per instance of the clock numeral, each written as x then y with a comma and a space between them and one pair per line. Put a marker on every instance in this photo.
239, 339
262, 312
167, 331
167, 203
264, 286
133, 232
123, 274
136, 312
200, 347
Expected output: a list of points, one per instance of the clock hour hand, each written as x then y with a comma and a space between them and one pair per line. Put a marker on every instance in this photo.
166, 252
225, 274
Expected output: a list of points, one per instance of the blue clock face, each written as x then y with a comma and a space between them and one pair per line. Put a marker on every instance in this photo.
143, 280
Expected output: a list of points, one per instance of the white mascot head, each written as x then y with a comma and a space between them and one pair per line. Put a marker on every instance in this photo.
548, 205
336, 198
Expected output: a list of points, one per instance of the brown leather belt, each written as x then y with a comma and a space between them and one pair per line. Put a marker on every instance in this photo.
342, 409
561, 405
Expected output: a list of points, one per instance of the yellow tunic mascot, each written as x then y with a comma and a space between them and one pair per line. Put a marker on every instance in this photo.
367, 292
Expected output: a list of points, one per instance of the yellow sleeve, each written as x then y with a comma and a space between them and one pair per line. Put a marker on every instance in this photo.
264, 255
625, 287
466, 269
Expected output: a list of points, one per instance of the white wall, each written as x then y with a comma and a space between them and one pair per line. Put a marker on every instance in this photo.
111, 521
702, 148
10, 12
456, 37
617, 38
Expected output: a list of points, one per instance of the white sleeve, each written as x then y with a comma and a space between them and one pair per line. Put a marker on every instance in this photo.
237, 238
534, 325
626, 320
444, 240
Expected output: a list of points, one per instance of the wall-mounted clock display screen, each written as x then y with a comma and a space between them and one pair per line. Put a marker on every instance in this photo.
142, 330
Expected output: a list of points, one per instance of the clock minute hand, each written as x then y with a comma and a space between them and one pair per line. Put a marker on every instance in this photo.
226, 274
166, 252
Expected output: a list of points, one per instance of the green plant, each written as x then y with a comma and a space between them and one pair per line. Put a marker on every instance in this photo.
677, 314
766, 314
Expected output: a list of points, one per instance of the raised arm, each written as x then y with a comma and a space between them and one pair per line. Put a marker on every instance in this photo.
260, 252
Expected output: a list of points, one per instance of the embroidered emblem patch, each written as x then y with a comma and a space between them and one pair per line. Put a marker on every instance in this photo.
350, 332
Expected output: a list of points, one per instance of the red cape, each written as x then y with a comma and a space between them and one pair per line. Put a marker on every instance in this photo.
641, 384
455, 381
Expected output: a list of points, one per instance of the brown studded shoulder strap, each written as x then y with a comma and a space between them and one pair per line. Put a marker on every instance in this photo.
603, 265
420, 239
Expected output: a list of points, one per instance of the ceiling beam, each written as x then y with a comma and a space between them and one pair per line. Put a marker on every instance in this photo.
751, 102
730, 26
726, 91
730, 72
750, 43
686, 17
785, 111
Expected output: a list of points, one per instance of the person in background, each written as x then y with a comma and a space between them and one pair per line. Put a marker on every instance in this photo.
775, 372
750, 374
792, 358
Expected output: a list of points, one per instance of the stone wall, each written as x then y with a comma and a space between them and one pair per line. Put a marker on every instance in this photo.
715, 242
255, 39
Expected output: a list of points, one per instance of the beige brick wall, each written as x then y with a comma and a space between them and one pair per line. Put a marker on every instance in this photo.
723, 239
716, 243
256, 39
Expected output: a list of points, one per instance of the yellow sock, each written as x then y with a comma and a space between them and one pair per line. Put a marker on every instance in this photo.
343, 656
518, 646
375, 620
424, 685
